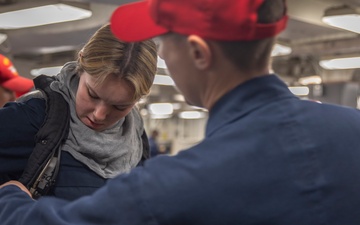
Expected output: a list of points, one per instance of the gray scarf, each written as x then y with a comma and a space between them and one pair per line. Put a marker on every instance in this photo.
110, 152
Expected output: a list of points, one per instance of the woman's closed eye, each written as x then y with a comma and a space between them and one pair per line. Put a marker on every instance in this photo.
121, 107
92, 95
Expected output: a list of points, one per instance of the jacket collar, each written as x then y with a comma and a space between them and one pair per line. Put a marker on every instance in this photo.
245, 98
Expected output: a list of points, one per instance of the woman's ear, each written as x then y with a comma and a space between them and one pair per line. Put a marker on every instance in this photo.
200, 52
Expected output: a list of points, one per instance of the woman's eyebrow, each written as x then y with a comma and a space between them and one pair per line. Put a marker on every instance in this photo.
115, 104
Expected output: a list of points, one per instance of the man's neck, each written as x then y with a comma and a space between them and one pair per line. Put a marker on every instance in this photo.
224, 81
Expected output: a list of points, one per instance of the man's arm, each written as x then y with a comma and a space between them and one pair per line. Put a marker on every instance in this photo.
116, 203
17, 184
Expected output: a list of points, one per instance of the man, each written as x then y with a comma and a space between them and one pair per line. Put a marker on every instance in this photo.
12, 85
267, 157
154, 147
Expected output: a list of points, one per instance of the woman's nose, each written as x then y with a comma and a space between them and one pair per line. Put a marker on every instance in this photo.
100, 112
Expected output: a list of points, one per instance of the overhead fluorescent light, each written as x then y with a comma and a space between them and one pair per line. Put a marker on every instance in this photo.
161, 63
279, 50
341, 63
3, 38
191, 115
54, 49
50, 71
310, 80
161, 108
163, 80
299, 90
42, 15
343, 17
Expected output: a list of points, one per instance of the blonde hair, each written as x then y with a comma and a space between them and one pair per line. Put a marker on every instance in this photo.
104, 55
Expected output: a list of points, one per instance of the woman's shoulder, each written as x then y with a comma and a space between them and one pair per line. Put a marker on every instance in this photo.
31, 95
34, 101
30, 103
22, 118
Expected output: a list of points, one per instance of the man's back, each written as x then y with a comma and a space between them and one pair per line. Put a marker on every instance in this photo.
269, 159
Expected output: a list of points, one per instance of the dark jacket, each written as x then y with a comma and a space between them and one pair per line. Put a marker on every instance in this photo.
267, 158
19, 125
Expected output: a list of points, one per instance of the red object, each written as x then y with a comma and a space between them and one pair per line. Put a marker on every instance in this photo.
223, 20
10, 79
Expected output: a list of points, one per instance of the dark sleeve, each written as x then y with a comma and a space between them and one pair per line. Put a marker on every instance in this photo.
19, 122
153, 194
114, 203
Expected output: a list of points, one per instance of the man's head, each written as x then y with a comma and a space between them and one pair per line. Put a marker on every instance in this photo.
154, 134
12, 85
199, 38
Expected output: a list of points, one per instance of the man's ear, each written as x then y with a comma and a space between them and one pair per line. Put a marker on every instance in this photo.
200, 51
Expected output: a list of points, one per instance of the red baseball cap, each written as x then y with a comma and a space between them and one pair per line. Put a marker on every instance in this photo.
10, 79
222, 20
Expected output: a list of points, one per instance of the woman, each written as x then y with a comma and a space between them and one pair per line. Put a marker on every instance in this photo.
104, 139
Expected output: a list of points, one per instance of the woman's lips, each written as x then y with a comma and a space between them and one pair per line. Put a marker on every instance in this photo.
92, 124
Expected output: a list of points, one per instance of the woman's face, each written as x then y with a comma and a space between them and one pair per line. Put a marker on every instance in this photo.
100, 106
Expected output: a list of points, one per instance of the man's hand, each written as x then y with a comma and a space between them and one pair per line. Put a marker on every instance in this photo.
18, 184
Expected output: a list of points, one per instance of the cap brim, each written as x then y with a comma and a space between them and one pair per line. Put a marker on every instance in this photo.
133, 23
18, 84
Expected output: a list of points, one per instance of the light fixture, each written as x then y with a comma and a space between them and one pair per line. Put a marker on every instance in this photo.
42, 15
191, 115
299, 90
279, 50
3, 38
161, 108
340, 63
46, 71
161, 63
343, 17
55, 49
163, 80
310, 80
